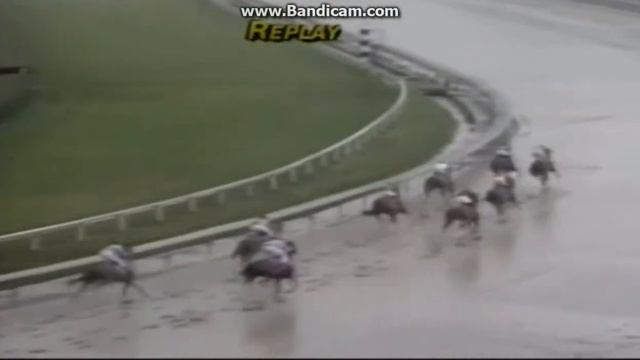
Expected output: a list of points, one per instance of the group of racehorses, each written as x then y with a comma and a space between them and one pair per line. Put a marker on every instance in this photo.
464, 208
257, 263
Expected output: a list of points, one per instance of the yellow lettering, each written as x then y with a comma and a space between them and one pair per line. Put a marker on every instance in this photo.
277, 32
311, 35
334, 32
257, 30
292, 32
319, 32
264, 31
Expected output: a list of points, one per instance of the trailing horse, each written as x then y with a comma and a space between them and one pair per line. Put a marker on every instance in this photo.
248, 247
500, 196
104, 274
390, 205
502, 164
440, 182
468, 217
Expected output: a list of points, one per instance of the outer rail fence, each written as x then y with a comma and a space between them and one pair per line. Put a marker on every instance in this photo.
274, 178
478, 104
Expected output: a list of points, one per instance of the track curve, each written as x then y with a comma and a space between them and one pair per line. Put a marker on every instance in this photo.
556, 280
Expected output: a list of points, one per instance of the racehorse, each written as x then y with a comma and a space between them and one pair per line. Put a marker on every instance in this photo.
390, 205
248, 246
500, 195
439, 182
468, 217
251, 244
475, 198
104, 274
274, 270
541, 166
502, 165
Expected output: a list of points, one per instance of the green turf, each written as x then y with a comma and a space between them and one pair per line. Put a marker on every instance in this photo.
147, 99
420, 132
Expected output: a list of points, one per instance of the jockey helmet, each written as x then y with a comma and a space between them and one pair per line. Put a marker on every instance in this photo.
502, 152
500, 180
390, 193
276, 242
442, 167
464, 199
537, 155
261, 228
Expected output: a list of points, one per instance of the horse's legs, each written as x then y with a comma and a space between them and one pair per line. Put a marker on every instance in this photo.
499, 209
514, 199
475, 229
277, 290
544, 179
294, 280
80, 290
140, 289
393, 217
444, 194
500, 212
425, 207
125, 288
448, 220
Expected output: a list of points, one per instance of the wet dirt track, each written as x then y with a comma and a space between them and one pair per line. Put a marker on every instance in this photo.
559, 279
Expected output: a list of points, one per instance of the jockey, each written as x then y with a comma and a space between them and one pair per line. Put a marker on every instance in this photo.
262, 229
503, 152
390, 192
499, 181
543, 155
277, 248
467, 193
464, 200
545, 151
443, 169
116, 256
274, 249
